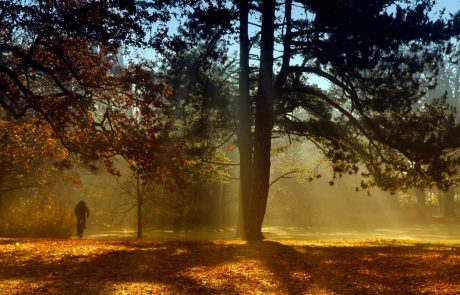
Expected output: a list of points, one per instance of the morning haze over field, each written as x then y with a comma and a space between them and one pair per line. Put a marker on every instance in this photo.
230, 147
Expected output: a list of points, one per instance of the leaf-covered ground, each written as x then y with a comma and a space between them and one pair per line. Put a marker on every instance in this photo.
228, 267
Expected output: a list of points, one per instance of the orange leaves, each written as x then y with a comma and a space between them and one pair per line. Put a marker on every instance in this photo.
27, 148
35, 216
69, 75
227, 267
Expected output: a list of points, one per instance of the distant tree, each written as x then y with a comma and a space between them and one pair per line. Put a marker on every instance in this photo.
449, 79
449, 85
203, 102
203, 105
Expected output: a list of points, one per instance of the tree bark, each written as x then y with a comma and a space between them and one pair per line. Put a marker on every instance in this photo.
264, 120
244, 124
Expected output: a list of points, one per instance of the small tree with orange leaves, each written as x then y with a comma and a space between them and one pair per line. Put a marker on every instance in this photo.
59, 63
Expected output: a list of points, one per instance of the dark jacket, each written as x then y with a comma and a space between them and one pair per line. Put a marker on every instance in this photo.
81, 210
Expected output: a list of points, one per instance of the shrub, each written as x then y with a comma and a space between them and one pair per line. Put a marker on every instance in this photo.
37, 217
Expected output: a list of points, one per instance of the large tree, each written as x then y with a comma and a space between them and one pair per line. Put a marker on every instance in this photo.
379, 59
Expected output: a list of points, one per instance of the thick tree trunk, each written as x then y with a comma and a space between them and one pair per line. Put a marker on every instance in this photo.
263, 126
244, 124
255, 154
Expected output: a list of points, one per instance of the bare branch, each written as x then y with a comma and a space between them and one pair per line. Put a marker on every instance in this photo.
217, 163
295, 171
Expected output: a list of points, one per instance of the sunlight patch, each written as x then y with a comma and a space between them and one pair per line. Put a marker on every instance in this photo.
139, 288
249, 274
180, 251
19, 286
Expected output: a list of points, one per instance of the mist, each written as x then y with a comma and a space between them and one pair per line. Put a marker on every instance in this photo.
306, 202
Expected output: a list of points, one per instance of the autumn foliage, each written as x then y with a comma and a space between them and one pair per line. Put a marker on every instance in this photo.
34, 216
61, 64
30, 154
228, 267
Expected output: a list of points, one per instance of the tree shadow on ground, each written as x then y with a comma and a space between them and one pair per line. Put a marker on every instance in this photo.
390, 269
236, 267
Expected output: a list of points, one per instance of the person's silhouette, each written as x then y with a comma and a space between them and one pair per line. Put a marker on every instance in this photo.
82, 212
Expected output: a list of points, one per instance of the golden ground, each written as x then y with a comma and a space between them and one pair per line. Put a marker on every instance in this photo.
47, 266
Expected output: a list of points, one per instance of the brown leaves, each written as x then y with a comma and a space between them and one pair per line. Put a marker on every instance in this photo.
228, 267
30, 153
61, 66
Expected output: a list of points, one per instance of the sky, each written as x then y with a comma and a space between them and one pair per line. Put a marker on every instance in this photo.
450, 5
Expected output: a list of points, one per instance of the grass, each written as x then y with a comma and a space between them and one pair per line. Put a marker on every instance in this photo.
89, 266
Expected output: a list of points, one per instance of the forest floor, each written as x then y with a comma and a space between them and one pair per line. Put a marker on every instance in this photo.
129, 266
